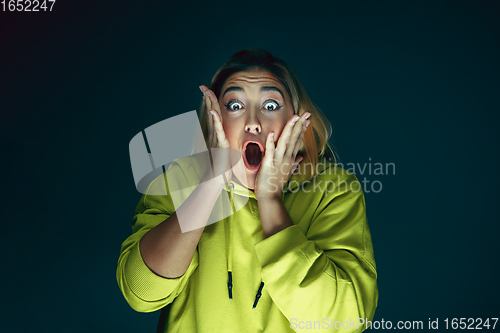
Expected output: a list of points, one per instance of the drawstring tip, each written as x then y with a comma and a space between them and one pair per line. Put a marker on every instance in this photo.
257, 297
230, 285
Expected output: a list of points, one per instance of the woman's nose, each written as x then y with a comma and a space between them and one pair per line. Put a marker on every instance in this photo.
253, 128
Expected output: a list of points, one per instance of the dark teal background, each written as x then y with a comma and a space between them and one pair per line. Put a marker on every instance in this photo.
414, 83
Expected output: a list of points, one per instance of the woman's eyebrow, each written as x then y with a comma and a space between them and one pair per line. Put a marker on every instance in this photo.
234, 88
263, 89
272, 88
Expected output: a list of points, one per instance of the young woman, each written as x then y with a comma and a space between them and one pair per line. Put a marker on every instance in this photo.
297, 256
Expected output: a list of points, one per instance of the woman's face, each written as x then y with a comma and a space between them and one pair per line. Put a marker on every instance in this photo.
253, 103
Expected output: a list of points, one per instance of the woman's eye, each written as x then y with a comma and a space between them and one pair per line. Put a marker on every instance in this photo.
271, 106
234, 106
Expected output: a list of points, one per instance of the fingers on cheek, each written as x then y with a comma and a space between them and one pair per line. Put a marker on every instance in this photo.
301, 139
286, 133
270, 141
269, 151
216, 115
291, 129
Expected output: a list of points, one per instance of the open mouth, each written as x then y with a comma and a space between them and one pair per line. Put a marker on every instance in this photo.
253, 152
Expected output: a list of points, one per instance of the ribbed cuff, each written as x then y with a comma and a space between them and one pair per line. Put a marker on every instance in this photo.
143, 282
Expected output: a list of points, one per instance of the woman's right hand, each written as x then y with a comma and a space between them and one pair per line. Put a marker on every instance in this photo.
217, 137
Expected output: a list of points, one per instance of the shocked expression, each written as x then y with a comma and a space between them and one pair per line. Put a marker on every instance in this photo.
253, 103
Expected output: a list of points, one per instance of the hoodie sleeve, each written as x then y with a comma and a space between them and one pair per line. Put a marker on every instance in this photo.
144, 290
327, 273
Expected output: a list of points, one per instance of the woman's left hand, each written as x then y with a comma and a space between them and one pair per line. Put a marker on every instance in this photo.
280, 162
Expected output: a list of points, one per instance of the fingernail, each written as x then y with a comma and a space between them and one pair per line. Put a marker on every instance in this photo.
201, 88
206, 92
307, 123
213, 114
307, 116
295, 119
271, 135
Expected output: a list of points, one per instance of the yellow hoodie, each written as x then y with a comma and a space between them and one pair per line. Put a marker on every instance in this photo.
318, 274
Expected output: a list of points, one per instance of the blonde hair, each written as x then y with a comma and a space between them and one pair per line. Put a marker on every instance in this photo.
315, 141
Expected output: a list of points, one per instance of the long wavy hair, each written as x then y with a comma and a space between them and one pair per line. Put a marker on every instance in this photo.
315, 141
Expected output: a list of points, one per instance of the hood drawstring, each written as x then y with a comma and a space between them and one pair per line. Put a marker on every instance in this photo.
259, 293
230, 284
229, 239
